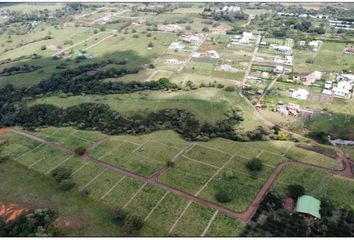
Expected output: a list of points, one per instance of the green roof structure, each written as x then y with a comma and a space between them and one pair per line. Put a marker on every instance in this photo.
309, 205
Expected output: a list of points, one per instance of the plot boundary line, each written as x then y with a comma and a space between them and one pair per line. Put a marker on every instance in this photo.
58, 165
215, 149
165, 145
204, 163
35, 148
111, 189
180, 216
260, 153
156, 206
81, 167
93, 179
135, 194
212, 177
209, 223
33, 164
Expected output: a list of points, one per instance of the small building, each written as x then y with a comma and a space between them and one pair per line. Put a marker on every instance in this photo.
342, 90
176, 46
293, 109
213, 54
278, 69
314, 44
309, 205
312, 77
300, 94
170, 28
349, 51
280, 48
302, 43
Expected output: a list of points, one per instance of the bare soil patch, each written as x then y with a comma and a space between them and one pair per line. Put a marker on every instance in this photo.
11, 211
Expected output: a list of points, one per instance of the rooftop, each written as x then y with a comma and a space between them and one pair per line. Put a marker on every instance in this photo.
309, 205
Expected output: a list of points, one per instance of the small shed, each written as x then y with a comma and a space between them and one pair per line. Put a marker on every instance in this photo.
308, 205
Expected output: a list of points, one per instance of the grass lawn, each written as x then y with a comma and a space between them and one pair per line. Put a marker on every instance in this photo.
33, 190
187, 175
208, 104
207, 155
318, 184
194, 221
164, 215
225, 226
301, 155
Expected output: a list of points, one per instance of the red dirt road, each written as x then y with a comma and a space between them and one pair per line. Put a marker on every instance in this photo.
244, 216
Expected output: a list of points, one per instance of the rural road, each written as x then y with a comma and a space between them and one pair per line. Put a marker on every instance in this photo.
243, 216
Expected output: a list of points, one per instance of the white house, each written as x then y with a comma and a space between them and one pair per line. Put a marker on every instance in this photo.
279, 69
280, 48
302, 43
213, 54
289, 60
327, 91
314, 44
247, 35
176, 46
300, 94
347, 77
342, 89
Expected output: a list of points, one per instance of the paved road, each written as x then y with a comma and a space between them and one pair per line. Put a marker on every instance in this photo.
244, 216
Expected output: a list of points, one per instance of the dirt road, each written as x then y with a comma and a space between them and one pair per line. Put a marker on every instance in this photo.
244, 216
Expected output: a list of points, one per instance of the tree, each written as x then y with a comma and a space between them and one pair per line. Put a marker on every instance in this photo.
118, 214
326, 208
61, 173
295, 191
150, 45
66, 184
170, 164
205, 29
133, 224
223, 196
254, 165
230, 89
80, 150
4, 158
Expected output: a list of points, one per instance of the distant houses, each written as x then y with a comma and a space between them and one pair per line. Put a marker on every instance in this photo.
341, 87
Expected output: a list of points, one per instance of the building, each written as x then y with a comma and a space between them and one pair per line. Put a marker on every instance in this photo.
170, 28
349, 51
342, 90
314, 44
176, 46
192, 39
309, 206
312, 78
346, 77
300, 94
293, 108
213, 54
278, 69
302, 43
280, 48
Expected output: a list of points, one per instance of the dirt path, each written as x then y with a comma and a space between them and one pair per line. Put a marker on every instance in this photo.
244, 216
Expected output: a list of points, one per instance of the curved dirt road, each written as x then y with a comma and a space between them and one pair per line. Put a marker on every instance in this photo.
152, 180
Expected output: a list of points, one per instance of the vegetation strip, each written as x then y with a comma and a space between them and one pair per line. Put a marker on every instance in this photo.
209, 223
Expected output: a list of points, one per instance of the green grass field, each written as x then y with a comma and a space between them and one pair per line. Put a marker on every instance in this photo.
318, 184
208, 104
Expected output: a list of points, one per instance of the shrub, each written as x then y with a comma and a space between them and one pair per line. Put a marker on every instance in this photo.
80, 150
118, 214
230, 89
254, 165
66, 185
223, 196
61, 173
295, 191
133, 224
170, 164
4, 158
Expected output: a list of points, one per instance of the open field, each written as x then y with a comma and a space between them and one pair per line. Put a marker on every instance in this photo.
34, 190
208, 104
318, 184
